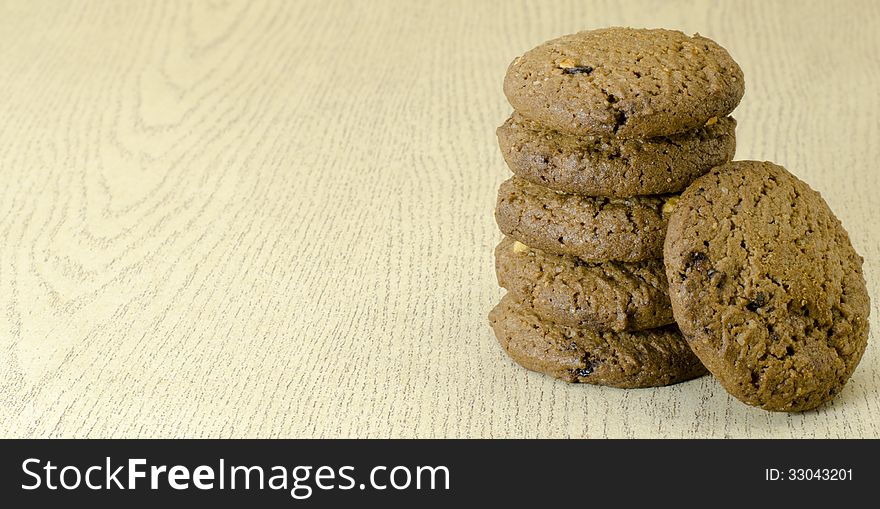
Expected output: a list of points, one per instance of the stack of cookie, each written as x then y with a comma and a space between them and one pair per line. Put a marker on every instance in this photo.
608, 126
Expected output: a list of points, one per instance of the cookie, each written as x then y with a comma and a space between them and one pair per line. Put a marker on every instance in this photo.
601, 296
625, 82
766, 286
591, 228
648, 358
598, 166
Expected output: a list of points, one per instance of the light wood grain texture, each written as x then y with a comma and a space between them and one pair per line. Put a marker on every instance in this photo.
274, 219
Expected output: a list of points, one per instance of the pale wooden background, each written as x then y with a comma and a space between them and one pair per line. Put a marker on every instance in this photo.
233, 219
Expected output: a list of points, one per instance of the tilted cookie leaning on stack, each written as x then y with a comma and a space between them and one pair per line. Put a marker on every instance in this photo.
608, 125
767, 286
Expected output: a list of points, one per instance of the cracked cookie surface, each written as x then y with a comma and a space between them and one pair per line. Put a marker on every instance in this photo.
626, 82
766, 286
602, 296
591, 228
649, 358
597, 166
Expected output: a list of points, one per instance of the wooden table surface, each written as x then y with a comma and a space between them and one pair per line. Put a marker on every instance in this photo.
274, 219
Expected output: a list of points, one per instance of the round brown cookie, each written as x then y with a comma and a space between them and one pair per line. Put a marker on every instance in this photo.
627, 360
591, 228
597, 166
601, 296
632, 83
766, 286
